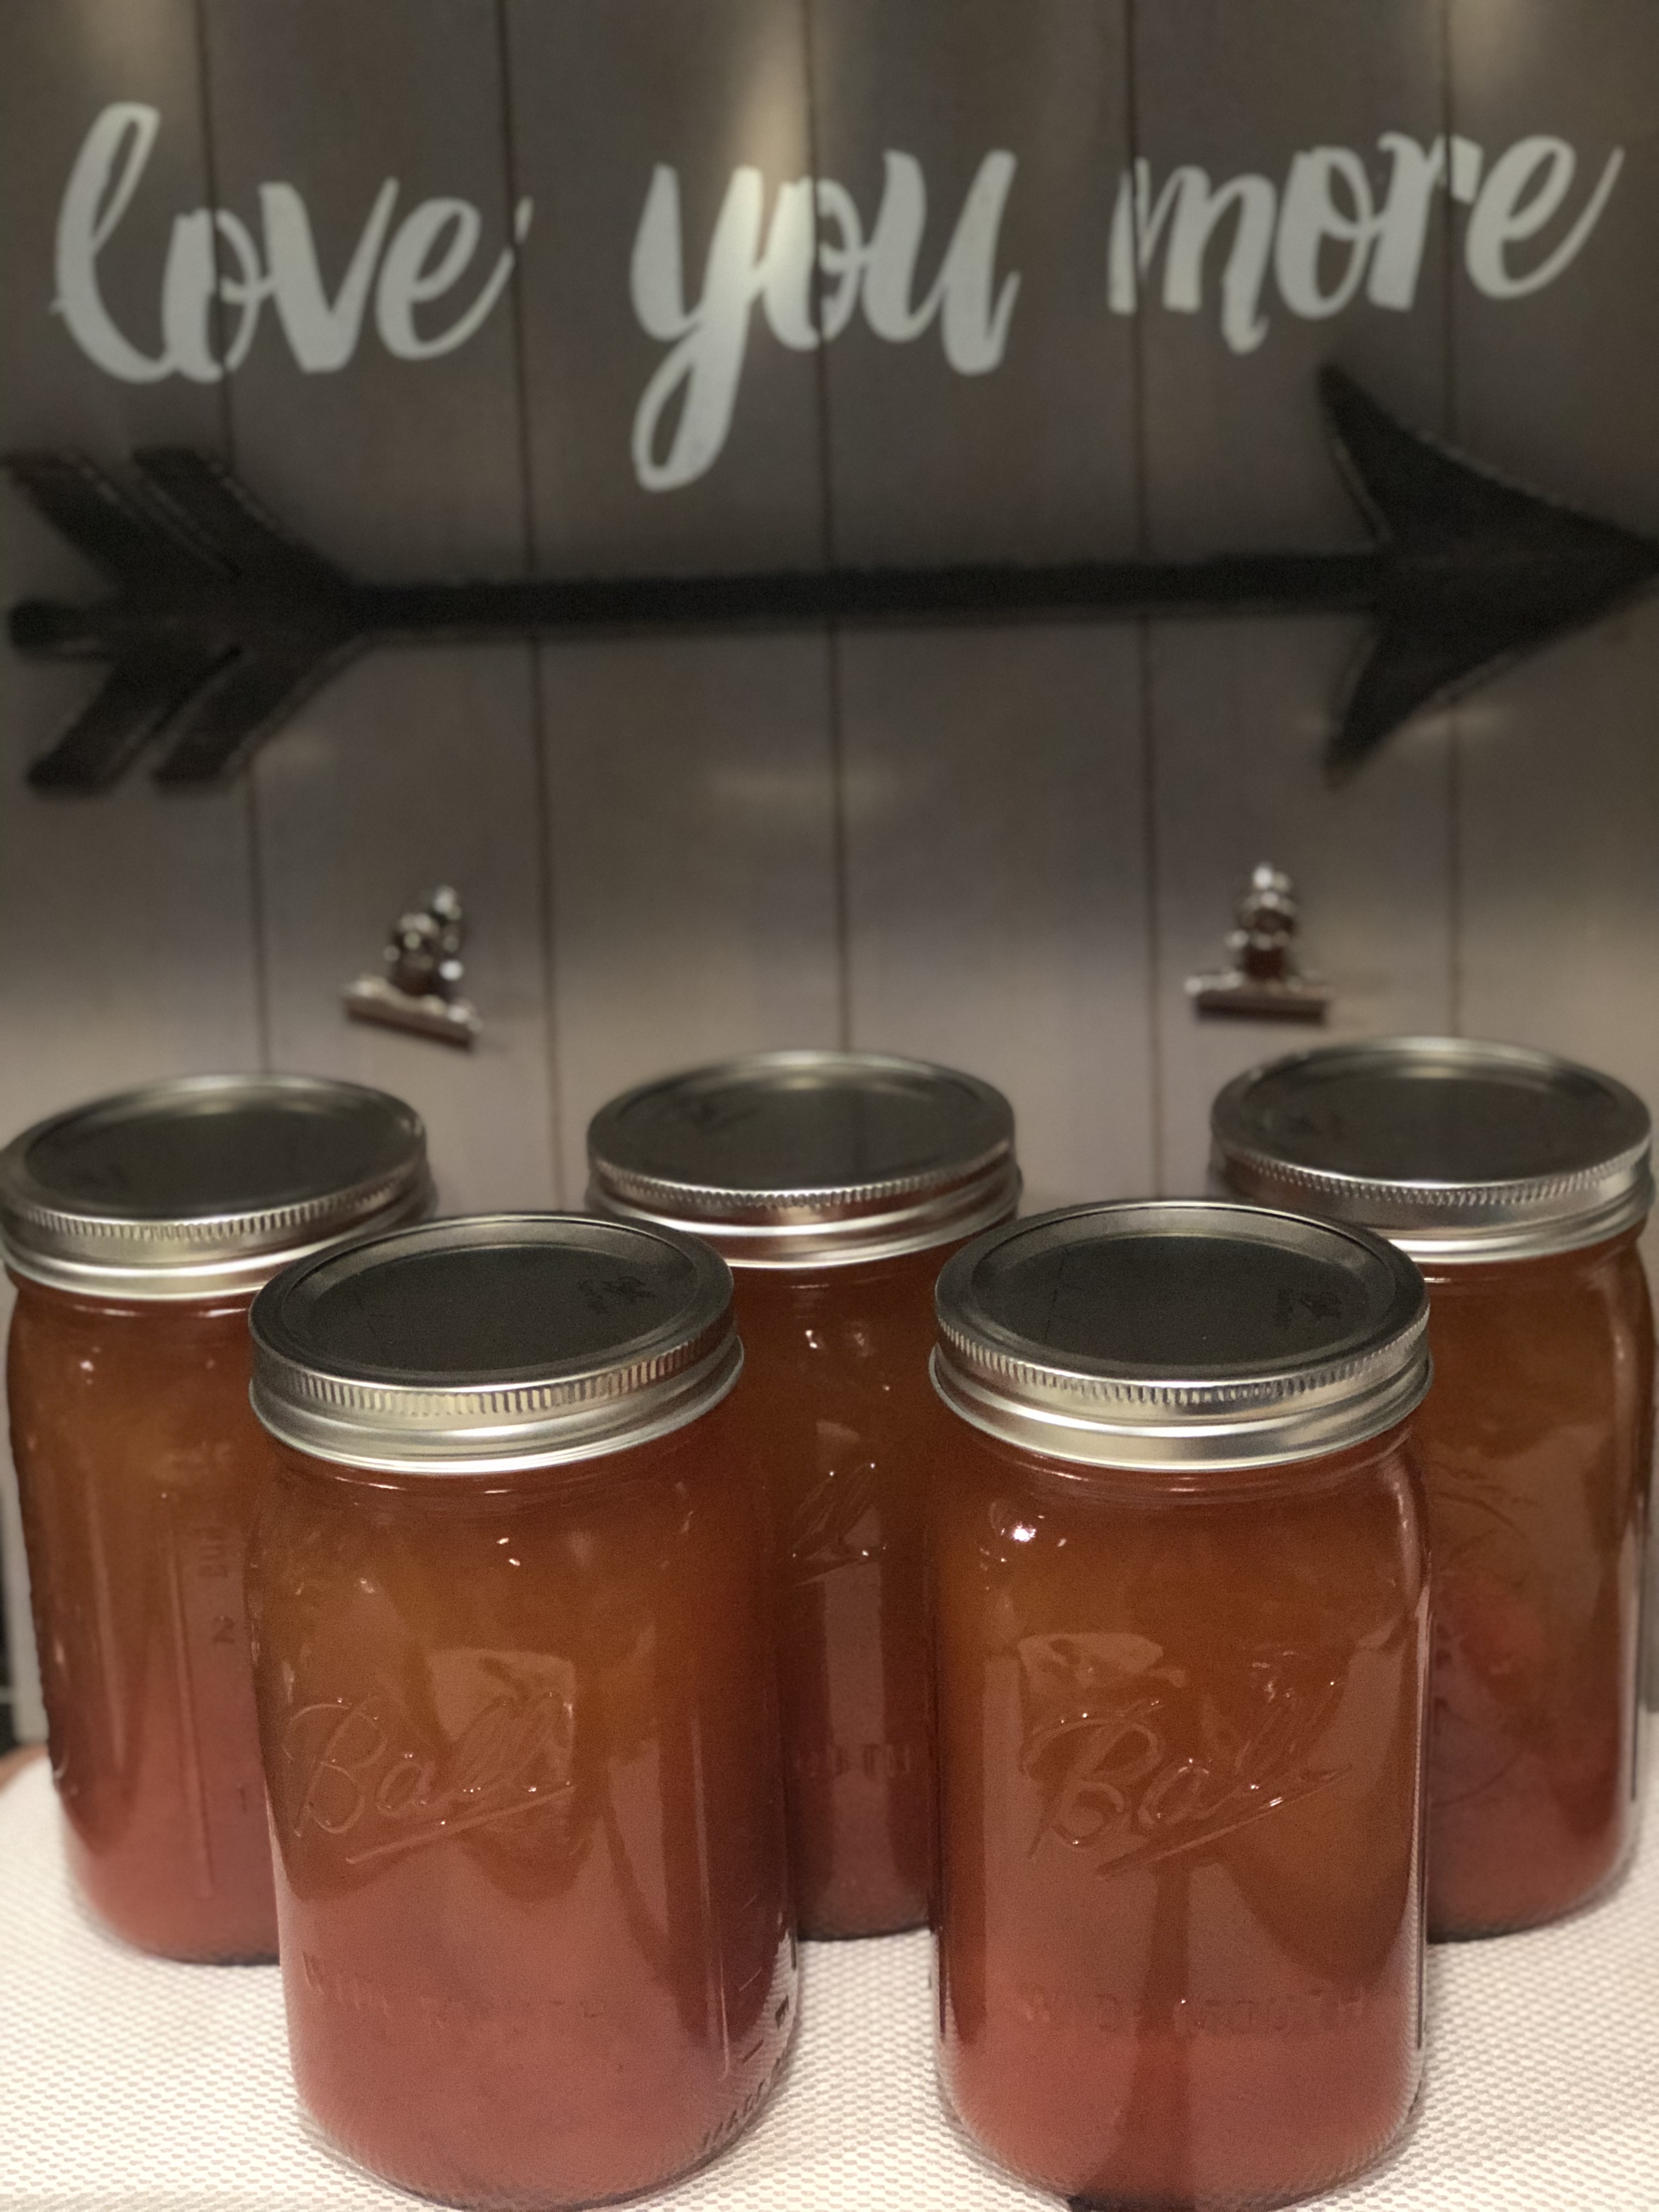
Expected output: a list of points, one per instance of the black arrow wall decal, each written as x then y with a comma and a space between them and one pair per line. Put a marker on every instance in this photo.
220, 622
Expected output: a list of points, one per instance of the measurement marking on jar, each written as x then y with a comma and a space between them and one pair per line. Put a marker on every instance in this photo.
762, 1973
114, 1683
725, 2128
189, 1754
216, 1553
714, 1957
875, 1762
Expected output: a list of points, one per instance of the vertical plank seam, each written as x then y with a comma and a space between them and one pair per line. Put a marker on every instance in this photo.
841, 885
1454, 885
1144, 668
540, 769
259, 919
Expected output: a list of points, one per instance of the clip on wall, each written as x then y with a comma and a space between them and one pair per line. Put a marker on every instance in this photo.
420, 990
1261, 982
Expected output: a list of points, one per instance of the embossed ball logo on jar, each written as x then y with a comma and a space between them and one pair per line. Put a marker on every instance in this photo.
1139, 1759
502, 1747
837, 1523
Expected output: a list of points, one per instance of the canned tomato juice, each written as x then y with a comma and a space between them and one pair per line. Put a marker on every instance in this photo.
517, 1701
1519, 1184
1181, 1628
835, 1184
137, 1230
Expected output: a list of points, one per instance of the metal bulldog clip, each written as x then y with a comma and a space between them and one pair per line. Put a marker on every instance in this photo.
420, 989
1261, 983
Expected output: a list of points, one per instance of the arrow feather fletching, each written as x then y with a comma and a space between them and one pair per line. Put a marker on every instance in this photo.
204, 499
143, 691
244, 706
129, 540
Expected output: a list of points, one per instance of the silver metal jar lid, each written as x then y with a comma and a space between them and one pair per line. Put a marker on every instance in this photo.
206, 1185
1180, 1333
1457, 1151
494, 1341
787, 1159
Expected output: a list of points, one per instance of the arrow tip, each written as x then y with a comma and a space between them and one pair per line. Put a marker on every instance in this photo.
1476, 572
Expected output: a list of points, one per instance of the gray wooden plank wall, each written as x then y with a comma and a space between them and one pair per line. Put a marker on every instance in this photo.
1004, 848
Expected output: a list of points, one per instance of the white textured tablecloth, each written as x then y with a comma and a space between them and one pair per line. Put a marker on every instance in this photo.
126, 2083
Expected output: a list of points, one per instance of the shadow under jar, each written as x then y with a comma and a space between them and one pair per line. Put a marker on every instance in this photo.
137, 1230
518, 1706
1180, 1648
835, 1184
1519, 1184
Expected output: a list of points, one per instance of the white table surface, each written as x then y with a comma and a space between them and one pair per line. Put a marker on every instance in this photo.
128, 2083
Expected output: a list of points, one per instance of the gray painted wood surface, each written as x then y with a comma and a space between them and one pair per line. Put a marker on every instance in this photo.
130, 948
690, 814
599, 97
997, 891
1006, 848
691, 801
418, 766
1235, 456
1556, 818
1039, 461
994, 786
128, 943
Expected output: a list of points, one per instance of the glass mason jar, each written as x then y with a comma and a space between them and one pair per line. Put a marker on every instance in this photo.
835, 1184
1180, 1653
518, 1704
137, 1230
1518, 1182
